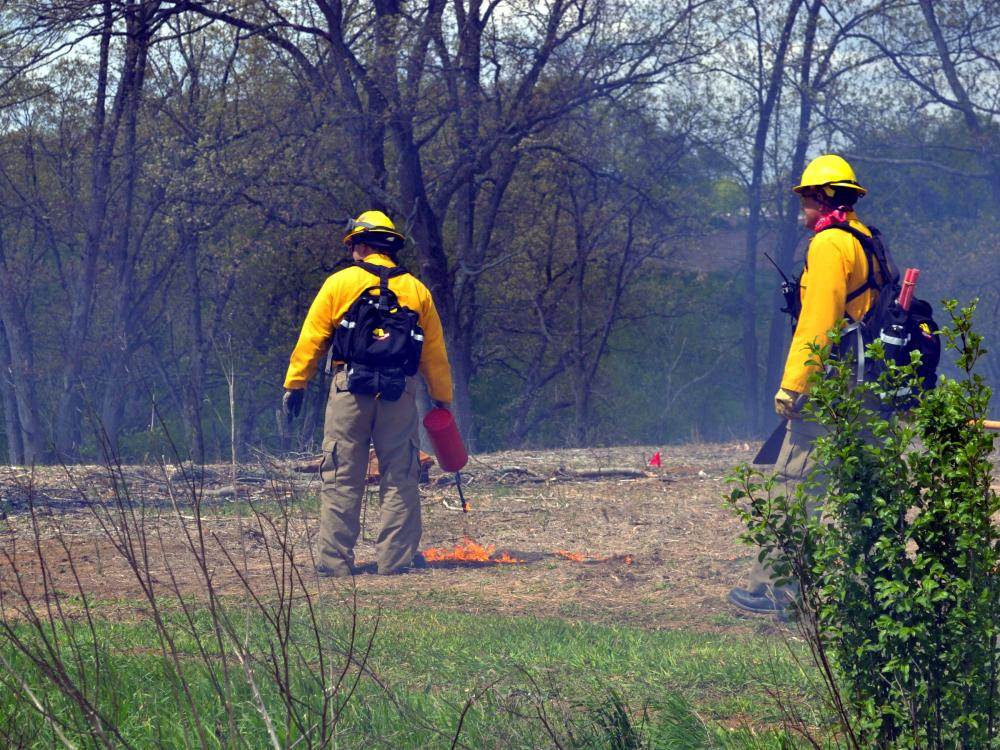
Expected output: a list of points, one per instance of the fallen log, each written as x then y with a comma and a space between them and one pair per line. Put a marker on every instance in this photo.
600, 474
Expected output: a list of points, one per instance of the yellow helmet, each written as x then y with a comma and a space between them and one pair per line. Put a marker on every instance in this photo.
828, 171
376, 229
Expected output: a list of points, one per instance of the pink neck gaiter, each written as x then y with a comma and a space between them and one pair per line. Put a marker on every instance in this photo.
836, 216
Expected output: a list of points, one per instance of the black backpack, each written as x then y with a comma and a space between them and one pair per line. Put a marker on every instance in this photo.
379, 340
901, 331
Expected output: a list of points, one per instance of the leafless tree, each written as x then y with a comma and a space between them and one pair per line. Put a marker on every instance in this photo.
438, 100
945, 53
591, 228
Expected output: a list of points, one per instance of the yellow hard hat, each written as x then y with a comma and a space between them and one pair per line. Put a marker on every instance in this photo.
376, 229
828, 171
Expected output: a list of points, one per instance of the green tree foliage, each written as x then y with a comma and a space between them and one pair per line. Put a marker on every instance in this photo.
174, 179
899, 576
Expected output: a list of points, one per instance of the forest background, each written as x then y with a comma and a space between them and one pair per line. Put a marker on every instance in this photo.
587, 186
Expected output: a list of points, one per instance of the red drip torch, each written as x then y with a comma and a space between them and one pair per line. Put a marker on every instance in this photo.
448, 447
906, 293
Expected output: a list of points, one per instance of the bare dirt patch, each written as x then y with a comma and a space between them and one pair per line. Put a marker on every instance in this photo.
604, 536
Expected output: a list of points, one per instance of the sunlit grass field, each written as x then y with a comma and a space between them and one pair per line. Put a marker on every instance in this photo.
431, 679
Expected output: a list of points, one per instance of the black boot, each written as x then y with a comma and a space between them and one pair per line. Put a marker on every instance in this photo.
763, 600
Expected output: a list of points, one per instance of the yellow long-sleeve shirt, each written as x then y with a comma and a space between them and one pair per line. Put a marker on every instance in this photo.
835, 266
331, 304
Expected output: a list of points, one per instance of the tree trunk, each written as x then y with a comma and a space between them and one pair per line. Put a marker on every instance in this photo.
126, 249
751, 399
460, 357
12, 423
751, 387
580, 304
104, 135
23, 375
19, 370
789, 232
434, 267
194, 385
462, 335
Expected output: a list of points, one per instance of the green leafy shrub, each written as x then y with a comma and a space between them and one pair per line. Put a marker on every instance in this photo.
898, 577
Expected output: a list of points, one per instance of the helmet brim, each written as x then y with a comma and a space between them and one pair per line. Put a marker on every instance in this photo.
852, 185
383, 238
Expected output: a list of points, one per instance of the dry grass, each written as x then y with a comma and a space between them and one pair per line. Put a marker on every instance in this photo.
659, 548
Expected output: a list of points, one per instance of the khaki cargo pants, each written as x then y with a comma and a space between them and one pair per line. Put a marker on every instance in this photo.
795, 462
392, 427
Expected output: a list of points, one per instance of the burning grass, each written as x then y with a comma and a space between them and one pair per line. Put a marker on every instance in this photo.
580, 557
470, 551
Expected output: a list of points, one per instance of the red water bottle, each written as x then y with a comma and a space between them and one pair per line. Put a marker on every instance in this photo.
446, 440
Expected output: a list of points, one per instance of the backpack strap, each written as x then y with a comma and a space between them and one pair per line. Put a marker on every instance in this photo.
873, 248
384, 273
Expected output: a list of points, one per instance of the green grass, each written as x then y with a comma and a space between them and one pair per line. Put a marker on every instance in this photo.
599, 686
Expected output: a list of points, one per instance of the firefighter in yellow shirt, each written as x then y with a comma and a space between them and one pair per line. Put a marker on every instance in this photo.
356, 419
833, 287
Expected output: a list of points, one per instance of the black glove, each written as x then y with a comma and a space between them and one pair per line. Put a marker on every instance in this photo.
291, 402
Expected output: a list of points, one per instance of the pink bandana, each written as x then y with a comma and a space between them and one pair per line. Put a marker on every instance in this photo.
836, 216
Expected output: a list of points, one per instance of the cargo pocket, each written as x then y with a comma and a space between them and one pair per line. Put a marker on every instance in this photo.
328, 466
413, 468
340, 379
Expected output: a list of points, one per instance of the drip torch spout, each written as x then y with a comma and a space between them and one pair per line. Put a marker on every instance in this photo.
461, 495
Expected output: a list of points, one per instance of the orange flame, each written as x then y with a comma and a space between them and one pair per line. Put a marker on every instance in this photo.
579, 557
503, 557
471, 550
